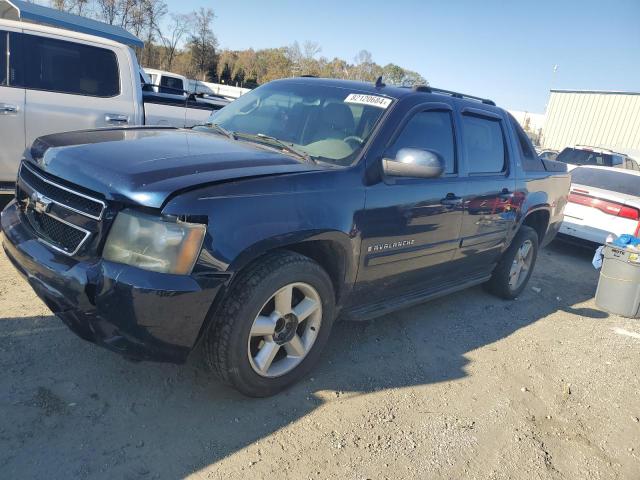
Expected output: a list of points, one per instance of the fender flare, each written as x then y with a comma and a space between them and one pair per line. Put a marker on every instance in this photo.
266, 245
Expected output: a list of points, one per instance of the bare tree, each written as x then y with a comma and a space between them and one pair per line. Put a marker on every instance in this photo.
202, 42
80, 7
108, 10
63, 5
365, 68
295, 57
154, 11
179, 26
311, 49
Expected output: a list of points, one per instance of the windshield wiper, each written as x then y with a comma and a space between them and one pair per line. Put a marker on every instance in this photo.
222, 130
262, 138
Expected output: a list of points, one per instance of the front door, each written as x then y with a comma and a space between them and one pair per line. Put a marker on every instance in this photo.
411, 226
12, 142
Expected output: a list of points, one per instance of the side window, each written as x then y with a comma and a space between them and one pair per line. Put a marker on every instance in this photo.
3, 58
429, 130
616, 160
68, 67
530, 161
173, 84
483, 144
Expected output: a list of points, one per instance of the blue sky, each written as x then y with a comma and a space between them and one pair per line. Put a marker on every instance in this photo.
498, 49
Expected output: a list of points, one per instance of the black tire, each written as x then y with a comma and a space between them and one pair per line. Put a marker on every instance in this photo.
225, 343
499, 283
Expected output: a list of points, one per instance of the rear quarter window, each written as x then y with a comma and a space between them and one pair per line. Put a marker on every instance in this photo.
530, 161
615, 181
68, 67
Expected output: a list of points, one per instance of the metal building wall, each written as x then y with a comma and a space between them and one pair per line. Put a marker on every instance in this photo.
597, 119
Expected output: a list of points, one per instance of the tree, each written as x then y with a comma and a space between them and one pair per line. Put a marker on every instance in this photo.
202, 43
273, 63
108, 10
178, 28
60, 5
412, 78
80, 7
365, 69
393, 74
294, 56
225, 65
153, 11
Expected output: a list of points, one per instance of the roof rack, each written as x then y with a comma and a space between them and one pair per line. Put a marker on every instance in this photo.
428, 89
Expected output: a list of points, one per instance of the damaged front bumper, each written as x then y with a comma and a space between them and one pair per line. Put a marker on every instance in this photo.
141, 314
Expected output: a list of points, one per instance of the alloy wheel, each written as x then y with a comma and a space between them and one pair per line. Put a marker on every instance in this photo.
521, 265
285, 330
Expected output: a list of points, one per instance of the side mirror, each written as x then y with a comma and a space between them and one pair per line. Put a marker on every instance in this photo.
414, 162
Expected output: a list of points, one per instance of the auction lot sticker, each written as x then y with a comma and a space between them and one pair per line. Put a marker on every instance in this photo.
373, 100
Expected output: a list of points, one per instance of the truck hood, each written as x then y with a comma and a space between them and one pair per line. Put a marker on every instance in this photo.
146, 165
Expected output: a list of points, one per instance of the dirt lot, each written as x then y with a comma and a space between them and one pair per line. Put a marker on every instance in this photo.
465, 387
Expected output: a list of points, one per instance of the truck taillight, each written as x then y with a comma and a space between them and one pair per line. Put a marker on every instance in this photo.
611, 208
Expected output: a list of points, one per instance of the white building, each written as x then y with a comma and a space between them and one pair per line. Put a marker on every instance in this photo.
533, 122
594, 118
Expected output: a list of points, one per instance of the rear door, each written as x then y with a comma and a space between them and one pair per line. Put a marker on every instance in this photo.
74, 85
489, 210
12, 141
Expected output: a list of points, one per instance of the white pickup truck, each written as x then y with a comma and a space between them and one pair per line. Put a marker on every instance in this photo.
173, 83
57, 80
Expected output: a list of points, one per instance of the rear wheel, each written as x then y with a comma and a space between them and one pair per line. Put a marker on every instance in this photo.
272, 325
516, 266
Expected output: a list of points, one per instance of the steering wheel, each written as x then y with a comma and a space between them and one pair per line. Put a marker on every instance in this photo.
353, 138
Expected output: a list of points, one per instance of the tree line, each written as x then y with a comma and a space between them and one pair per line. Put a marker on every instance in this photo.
186, 44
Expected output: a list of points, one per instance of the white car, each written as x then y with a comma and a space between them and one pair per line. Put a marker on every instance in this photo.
596, 156
602, 201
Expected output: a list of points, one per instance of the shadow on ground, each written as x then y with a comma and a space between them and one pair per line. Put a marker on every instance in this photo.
72, 410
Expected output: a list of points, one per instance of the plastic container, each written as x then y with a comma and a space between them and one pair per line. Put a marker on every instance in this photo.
619, 285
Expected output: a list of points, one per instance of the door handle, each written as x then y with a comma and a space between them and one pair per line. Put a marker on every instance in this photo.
505, 194
116, 118
451, 200
8, 109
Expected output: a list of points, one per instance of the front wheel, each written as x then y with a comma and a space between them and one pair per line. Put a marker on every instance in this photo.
272, 325
516, 266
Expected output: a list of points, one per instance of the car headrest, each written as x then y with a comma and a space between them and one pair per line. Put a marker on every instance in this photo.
338, 116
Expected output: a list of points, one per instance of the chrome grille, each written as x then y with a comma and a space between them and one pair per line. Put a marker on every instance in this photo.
70, 199
60, 217
59, 234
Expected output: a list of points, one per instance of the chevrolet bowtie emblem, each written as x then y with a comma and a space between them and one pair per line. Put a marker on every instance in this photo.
39, 202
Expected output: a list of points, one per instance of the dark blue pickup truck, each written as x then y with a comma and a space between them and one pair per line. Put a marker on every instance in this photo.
303, 201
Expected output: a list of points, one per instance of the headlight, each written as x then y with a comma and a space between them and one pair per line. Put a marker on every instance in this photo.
151, 243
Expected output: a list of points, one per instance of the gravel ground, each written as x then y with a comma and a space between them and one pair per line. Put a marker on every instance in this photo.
469, 386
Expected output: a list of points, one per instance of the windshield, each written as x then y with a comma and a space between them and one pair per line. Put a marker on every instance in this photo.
330, 124
576, 156
615, 181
